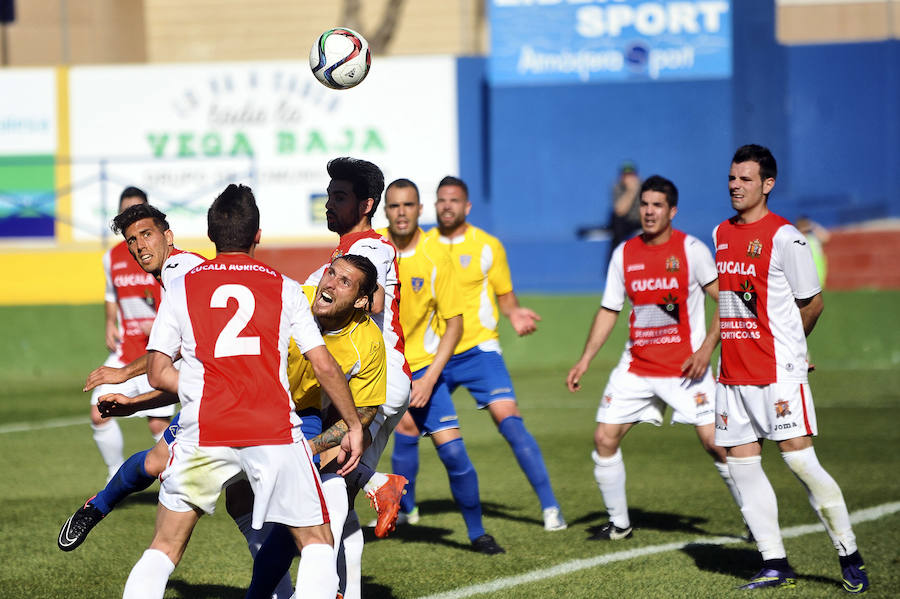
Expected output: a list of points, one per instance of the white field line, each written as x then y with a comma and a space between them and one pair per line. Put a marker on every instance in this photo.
865, 515
21, 427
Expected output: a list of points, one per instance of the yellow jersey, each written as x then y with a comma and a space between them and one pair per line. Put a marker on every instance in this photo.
430, 295
358, 349
482, 274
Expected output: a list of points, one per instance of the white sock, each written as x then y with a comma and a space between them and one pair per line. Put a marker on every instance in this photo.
610, 476
335, 491
353, 550
378, 479
824, 496
725, 473
158, 436
149, 576
255, 539
758, 504
108, 437
317, 576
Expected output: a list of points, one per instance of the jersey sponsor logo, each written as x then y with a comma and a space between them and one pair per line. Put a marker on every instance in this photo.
133, 280
782, 408
172, 265
700, 399
634, 267
417, 283
237, 267
673, 264
732, 267
754, 249
748, 297
670, 306
799, 242
659, 283
722, 421
721, 246
785, 426
465, 260
118, 265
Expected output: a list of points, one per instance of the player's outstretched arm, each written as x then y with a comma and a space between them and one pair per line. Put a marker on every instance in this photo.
695, 366
423, 386
108, 375
604, 321
333, 383
334, 434
810, 310
523, 320
161, 372
116, 404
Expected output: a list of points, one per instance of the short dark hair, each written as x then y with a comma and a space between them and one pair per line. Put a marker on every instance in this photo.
403, 184
366, 178
132, 214
450, 180
662, 185
233, 219
369, 283
132, 192
768, 168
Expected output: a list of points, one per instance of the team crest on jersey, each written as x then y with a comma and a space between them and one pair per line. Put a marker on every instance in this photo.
607, 399
673, 264
747, 295
670, 306
337, 253
148, 298
465, 260
754, 249
781, 408
701, 400
722, 421
417, 283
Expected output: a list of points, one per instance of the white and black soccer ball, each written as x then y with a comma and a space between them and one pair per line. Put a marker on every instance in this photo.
340, 58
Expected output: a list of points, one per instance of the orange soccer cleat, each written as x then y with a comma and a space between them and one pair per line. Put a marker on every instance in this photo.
385, 501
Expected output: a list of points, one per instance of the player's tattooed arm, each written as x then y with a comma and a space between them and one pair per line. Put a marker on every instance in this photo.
331, 437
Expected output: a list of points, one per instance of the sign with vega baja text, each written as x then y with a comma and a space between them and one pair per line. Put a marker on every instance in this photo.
183, 132
566, 41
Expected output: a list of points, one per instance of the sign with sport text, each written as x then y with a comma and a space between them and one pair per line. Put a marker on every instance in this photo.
183, 132
570, 41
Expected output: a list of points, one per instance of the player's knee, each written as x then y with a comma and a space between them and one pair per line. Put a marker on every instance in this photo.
454, 456
605, 444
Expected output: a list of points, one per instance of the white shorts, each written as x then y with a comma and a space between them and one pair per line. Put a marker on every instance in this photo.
632, 398
780, 411
398, 386
130, 388
285, 483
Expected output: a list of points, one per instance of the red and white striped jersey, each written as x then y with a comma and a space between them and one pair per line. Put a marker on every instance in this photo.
232, 319
137, 295
664, 284
763, 268
383, 255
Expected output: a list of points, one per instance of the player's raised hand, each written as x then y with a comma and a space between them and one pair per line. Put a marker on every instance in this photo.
105, 375
573, 379
351, 451
524, 320
115, 404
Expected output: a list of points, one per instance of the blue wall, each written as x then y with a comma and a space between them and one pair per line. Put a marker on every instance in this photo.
541, 160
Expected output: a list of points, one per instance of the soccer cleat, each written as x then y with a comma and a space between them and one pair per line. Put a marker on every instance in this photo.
611, 532
853, 573
770, 577
553, 519
385, 501
487, 545
76, 529
402, 518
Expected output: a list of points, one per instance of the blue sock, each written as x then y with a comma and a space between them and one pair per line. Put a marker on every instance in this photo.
272, 562
129, 478
405, 461
529, 457
463, 484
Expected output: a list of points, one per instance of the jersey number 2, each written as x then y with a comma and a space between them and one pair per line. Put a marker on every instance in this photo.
228, 343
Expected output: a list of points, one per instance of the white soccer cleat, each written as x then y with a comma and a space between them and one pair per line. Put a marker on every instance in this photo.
553, 519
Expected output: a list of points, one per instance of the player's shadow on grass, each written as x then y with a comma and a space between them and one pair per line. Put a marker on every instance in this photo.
739, 562
206, 591
488, 510
370, 590
419, 533
149, 497
664, 521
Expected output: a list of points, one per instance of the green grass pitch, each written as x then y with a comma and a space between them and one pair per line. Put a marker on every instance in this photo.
675, 495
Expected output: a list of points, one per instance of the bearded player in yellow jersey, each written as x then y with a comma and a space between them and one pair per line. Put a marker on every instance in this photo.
485, 284
431, 317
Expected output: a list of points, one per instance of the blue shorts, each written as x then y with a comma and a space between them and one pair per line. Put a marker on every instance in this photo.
439, 413
311, 425
483, 373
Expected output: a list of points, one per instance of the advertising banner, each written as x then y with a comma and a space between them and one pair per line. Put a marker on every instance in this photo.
571, 41
183, 132
28, 138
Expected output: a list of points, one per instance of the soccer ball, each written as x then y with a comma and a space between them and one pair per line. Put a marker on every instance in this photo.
340, 58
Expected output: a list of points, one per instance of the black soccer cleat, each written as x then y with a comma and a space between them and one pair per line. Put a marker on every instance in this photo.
487, 545
611, 532
76, 529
